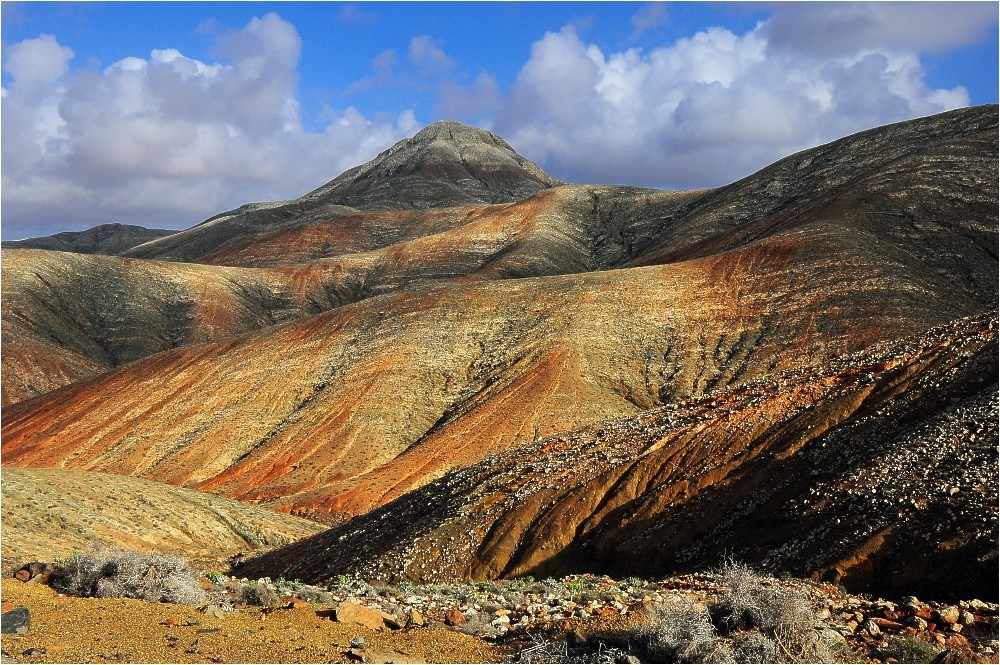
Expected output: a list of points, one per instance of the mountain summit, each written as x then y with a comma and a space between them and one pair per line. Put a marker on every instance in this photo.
445, 164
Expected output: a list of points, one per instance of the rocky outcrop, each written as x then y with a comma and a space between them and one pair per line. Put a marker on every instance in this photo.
877, 470
102, 239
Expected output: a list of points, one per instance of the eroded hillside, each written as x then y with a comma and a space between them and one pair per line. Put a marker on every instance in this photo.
877, 470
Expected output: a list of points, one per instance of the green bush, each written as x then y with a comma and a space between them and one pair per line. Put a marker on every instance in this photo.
909, 650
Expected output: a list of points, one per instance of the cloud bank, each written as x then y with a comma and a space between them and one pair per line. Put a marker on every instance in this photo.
168, 140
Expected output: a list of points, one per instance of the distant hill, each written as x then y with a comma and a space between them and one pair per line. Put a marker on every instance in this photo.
54, 512
103, 239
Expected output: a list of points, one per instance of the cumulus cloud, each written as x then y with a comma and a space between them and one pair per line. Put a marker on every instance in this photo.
168, 140
704, 111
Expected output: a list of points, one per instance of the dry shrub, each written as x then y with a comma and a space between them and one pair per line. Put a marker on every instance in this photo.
682, 631
260, 595
755, 621
560, 651
128, 574
784, 624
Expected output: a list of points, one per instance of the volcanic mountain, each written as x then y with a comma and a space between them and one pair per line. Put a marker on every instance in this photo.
448, 302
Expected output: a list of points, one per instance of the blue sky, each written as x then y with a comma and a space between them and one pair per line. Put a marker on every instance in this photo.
162, 114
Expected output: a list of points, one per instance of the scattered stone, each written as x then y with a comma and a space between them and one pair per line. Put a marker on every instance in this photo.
15, 622
36, 572
949, 614
917, 622
887, 624
358, 643
871, 628
414, 618
982, 607
390, 621
454, 617
202, 631
966, 618
33, 652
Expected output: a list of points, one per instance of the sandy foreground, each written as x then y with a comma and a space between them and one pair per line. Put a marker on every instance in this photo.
68, 629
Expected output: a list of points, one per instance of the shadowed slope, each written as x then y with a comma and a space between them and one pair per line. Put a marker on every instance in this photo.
68, 316
54, 512
878, 470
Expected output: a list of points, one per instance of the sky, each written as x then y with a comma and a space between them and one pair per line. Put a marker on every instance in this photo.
162, 114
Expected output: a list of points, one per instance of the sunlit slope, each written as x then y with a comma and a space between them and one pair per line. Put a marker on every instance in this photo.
55, 512
314, 414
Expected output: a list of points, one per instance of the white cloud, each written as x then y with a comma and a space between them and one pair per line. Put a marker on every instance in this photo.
429, 58
706, 110
168, 140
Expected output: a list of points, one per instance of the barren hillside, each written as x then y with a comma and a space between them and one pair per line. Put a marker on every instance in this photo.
54, 512
877, 470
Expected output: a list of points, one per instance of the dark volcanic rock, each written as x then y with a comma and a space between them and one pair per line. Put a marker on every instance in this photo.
15, 622
103, 239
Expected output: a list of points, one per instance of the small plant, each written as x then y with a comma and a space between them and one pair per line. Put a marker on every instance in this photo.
755, 621
909, 650
260, 595
214, 576
128, 574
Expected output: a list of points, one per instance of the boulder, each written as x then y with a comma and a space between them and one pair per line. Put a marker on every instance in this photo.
347, 612
454, 618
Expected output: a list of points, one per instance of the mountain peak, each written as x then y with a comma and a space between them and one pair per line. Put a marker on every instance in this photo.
447, 163
459, 133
